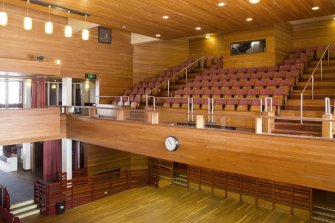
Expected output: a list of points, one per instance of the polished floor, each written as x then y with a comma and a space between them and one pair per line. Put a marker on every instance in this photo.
168, 204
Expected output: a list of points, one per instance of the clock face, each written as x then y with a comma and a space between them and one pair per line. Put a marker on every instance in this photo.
171, 143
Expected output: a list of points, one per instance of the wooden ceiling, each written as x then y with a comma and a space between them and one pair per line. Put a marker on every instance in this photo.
145, 16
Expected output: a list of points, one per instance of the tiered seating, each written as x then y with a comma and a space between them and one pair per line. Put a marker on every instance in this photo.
6, 216
239, 89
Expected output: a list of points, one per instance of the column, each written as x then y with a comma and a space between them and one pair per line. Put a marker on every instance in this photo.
67, 158
26, 155
67, 91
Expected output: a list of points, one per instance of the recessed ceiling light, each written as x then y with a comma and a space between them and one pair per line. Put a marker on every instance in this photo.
316, 8
165, 17
249, 19
158, 35
198, 28
254, 1
124, 27
221, 4
208, 36
334, 18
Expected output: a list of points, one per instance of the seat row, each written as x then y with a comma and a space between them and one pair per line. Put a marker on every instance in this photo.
7, 217
251, 70
234, 104
258, 84
249, 76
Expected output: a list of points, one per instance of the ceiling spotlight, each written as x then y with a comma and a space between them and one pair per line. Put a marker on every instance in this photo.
316, 8
124, 27
334, 18
208, 36
158, 35
221, 4
254, 1
249, 19
165, 17
198, 28
58, 61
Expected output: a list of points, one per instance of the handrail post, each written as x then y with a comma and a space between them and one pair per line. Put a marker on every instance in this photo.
154, 101
202, 64
313, 84
168, 88
266, 104
192, 108
146, 101
301, 106
328, 54
321, 67
213, 110
186, 75
188, 109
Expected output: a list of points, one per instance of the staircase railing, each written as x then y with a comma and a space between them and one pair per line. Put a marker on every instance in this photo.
173, 76
311, 79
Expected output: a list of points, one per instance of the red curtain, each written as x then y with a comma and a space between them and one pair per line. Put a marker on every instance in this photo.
38, 93
52, 159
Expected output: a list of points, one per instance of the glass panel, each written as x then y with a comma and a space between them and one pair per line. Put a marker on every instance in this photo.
248, 47
2, 93
14, 92
53, 94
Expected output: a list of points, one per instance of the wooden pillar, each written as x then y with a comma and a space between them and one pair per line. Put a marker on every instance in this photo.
153, 117
259, 125
92, 112
120, 115
327, 126
200, 122
268, 121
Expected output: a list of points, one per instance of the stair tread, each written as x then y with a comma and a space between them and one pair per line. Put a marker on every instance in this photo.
28, 213
23, 208
296, 132
23, 203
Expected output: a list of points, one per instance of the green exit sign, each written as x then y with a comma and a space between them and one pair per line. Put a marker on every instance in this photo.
91, 76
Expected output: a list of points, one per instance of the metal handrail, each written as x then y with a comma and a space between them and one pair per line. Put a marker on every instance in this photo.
173, 76
311, 78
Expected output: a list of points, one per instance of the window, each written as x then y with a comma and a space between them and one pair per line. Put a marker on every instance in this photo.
11, 94
248, 47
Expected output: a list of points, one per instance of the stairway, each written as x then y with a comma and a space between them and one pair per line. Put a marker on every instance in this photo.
24, 209
311, 108
323, 214
180, 179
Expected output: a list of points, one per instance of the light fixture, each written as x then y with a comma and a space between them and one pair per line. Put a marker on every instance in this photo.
53, 86
334, 18
124, 27
254, 1
208, 36
68, 28
3, 15
315, 8
221, 4
49, 27
158, 35
27, 21
249, 19
85, 34
198, 28
58, 61
165, 17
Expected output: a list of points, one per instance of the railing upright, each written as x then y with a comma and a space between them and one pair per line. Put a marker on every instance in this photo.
173, 76
311, 79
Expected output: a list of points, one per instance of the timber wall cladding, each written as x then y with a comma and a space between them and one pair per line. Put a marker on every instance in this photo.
301, 161
113, 63
314, 34
219, 44
29, 125
154, 57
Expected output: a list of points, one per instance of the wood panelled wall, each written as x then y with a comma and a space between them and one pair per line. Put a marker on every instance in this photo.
29, 125
301, 161
219, 44
101, 160
283, 41
112, 63
153, 57
314, 34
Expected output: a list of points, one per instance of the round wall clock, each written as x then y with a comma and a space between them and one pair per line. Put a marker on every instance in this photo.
171, 143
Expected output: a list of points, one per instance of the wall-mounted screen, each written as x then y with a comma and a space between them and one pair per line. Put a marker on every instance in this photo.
248, 47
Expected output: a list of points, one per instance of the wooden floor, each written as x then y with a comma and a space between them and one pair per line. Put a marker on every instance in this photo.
169, 204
